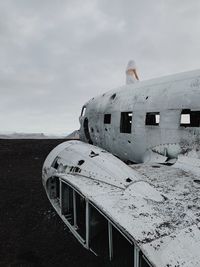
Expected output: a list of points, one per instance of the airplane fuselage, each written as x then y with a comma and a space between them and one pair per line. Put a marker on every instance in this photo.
134, 122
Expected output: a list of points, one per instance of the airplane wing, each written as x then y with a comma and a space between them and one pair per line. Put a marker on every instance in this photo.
155, 207
174, 237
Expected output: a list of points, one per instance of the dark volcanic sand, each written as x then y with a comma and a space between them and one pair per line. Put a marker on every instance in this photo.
31, 233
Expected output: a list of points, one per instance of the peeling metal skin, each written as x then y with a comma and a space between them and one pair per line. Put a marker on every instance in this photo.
154, 204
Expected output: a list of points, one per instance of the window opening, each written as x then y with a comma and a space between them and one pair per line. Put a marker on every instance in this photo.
86, 131
152, 118
98, 233
190, 118
107, 118
80, 215
123, 250
126, 122
67, 208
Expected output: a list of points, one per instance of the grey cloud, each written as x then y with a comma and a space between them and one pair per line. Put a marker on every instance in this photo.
55, 55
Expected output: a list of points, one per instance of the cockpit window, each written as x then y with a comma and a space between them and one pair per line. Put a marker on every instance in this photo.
83, 111
152, 118
190, 118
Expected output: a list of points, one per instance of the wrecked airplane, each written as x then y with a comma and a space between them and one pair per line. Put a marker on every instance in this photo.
129, 190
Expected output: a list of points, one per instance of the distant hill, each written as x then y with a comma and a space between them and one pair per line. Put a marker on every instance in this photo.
73, 135
28, 136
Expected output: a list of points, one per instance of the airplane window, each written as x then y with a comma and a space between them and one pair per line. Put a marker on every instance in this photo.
67, 206
106, 240
190, 118
80, 215
126, 122
152, 118
98, 233
83, 111
107, 118
123, 250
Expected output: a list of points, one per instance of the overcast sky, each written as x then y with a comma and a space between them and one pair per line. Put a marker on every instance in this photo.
56, 55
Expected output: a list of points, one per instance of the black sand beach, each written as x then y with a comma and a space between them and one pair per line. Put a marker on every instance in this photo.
31, 233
